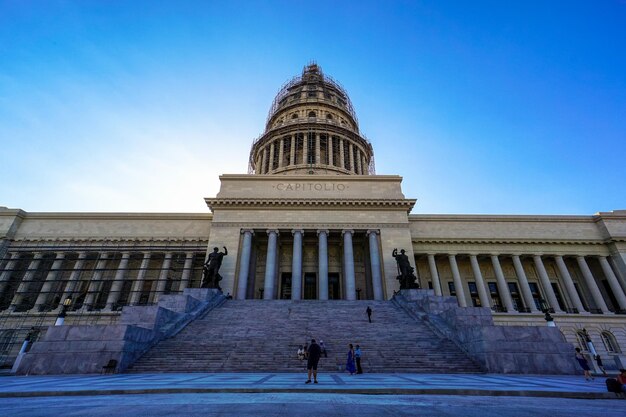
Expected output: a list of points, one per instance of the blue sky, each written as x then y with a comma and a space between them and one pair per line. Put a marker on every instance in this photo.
483, 107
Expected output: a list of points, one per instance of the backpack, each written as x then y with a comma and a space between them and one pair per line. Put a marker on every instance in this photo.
612, 385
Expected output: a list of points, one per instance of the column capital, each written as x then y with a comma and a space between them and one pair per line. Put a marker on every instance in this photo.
325, 231
431, 253
270, 231
374, 231
242, 231
451, 255
580, 257
104, 255
126, 254
344, 231
294, 231
189, 254
60, 255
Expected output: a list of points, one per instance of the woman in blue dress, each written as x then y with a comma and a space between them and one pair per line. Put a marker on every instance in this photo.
350, 366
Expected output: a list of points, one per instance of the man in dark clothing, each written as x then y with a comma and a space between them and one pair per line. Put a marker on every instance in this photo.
369, 313
313, 358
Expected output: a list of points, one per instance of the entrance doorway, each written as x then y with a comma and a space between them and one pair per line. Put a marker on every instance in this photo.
310, 286
333, 287
285, 286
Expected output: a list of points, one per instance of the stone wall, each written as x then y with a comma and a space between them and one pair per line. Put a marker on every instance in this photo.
86, 349
499, 349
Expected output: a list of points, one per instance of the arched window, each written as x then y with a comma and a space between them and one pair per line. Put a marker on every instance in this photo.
329, 116
582, 340
294, 116
610, 344
312, 114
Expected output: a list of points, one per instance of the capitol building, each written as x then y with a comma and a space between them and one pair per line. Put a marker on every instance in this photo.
313, 220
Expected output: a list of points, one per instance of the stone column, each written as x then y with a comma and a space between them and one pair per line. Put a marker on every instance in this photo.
458, 283
377, 280
329, 150
292, 150
141, 275
165, 270
8, 269
44, 293
569, 284
591, 284
118, 282
348, 264
613, 282
505, 294
364, 165
184, 279
244, 264
545, 283
305, 148
26, 280
358, 161
322, 237
296, 265
485, 299
281, 152
523, 280
70, 288
270, 167
96, 282
352, 157
342, 159
270, 265
318, 149
263, 171
434, 275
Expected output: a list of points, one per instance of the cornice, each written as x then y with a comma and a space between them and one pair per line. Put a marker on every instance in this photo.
507, 241
500, 218
117, 216
243, 203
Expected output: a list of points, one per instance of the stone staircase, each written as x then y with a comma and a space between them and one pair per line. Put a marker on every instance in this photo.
264, 336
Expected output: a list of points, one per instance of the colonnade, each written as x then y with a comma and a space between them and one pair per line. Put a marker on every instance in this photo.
312, 148
94, 278
488, 297
271, 264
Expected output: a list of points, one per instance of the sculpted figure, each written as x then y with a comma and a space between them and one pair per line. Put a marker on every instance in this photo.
406, 276
212, 278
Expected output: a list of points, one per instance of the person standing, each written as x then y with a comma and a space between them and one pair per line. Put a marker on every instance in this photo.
357, 357
350, 366
369, 313
323, 347
582, 361
600, 364
314, 354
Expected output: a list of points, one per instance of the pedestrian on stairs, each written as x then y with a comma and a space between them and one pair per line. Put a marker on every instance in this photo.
314, 354
369, 313
357, 358
350, 366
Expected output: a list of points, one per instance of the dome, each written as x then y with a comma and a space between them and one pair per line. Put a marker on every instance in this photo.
311, 128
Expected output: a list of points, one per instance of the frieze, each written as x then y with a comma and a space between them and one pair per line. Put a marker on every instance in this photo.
309, 226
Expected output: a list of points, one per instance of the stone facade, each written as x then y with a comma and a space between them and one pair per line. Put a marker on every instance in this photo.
312, 220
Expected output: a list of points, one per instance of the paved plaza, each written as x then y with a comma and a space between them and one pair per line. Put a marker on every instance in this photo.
275, 394
434, 384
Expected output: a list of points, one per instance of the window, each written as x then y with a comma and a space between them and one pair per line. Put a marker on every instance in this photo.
516, 297
312, 114
294, 116
329, 116
582, 340
312, 93
496, 302
610, 344
473, 289
451, 288
534, 290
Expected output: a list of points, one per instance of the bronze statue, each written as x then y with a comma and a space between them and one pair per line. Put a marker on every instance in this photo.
406, 275
211, 277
